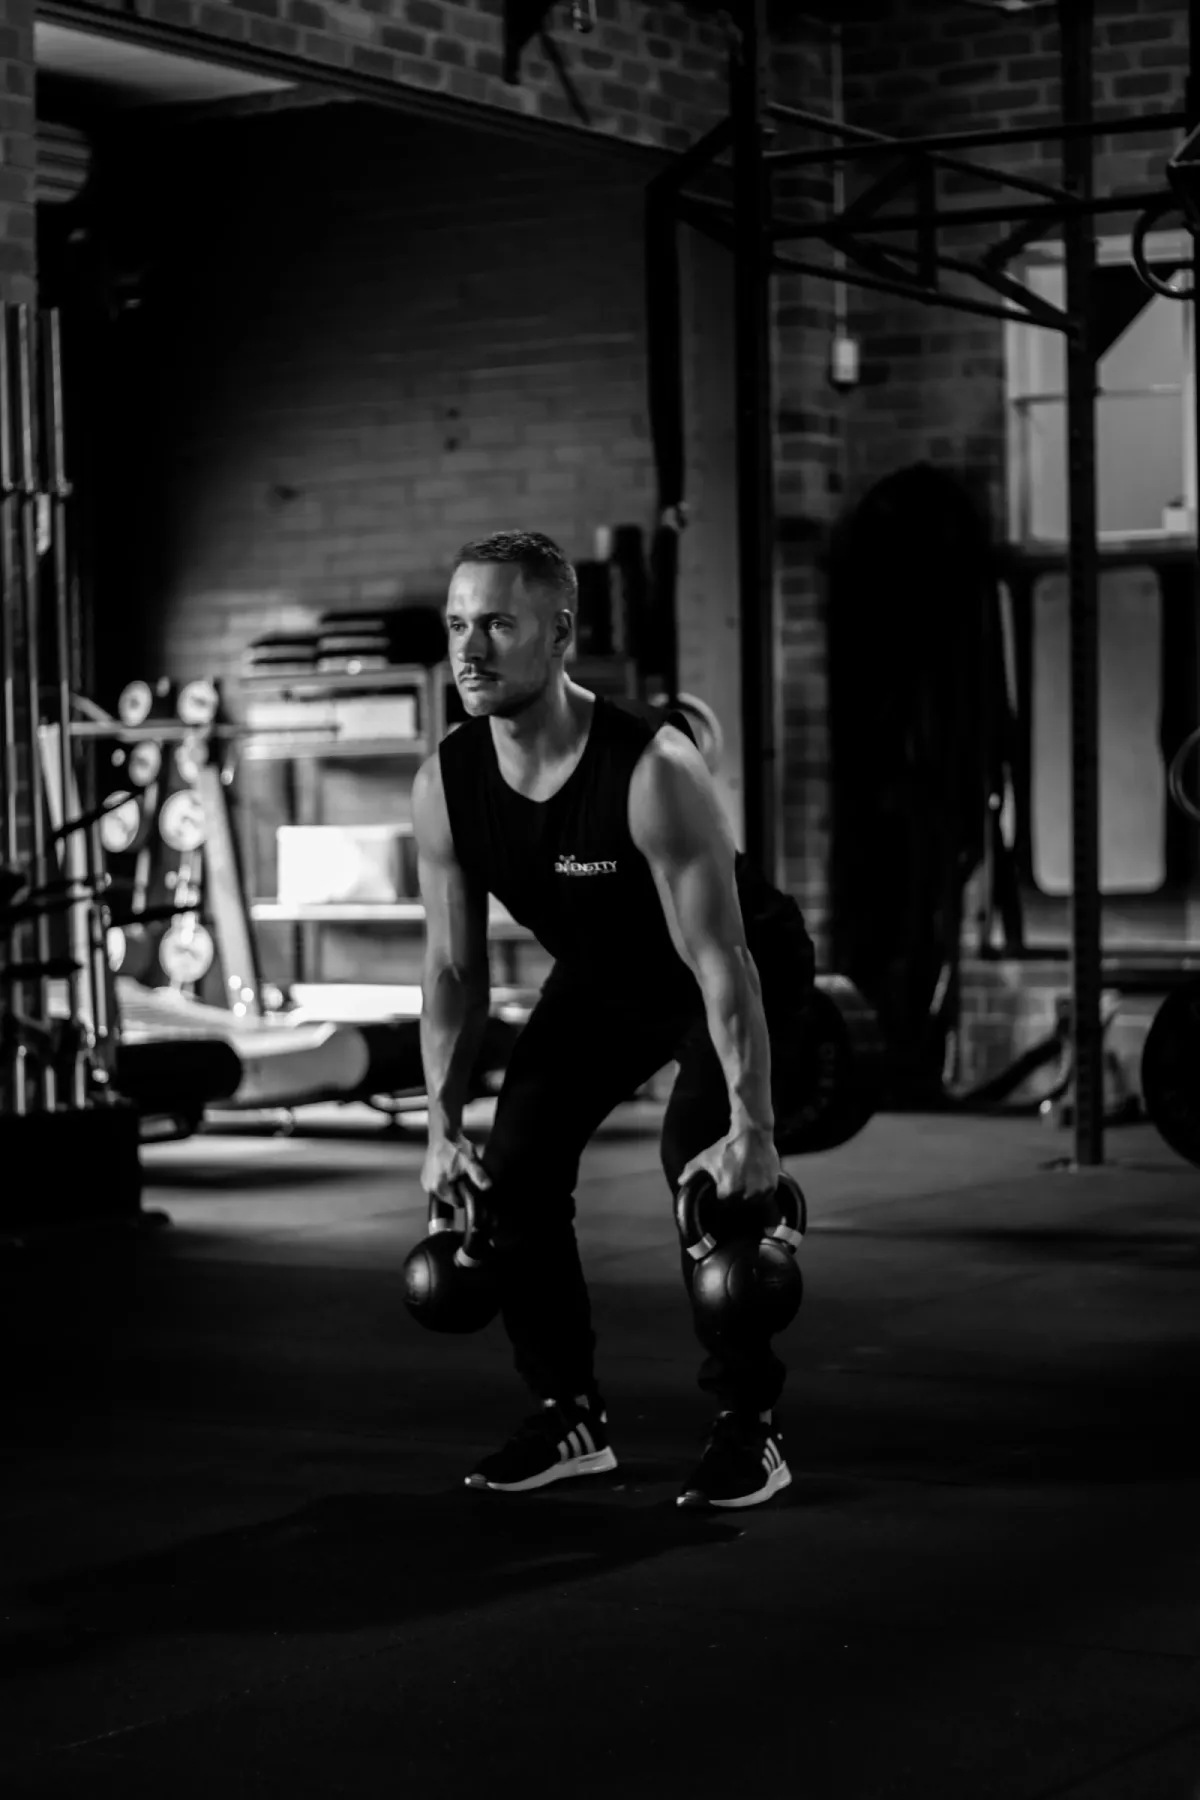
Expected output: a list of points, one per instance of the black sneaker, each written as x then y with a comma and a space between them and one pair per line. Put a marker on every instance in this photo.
742, 1464
565, 1438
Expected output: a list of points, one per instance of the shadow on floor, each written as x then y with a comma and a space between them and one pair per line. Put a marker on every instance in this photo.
239, 1181
1159, 1249
351, 1562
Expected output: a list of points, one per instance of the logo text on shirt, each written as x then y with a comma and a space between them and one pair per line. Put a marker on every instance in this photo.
570, 865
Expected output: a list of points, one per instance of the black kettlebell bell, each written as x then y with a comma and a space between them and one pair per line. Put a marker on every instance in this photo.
450, 1282
745, 1277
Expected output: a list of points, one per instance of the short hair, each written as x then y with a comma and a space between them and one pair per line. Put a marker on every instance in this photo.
539, 558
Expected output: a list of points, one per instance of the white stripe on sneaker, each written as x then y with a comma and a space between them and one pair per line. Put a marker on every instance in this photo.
589, 1442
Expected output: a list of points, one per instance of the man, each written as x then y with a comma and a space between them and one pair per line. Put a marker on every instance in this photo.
606, 839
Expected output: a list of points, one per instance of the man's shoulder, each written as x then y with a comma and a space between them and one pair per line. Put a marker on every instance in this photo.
462, 742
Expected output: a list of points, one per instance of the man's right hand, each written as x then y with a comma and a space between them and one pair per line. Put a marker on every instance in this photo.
449, 1161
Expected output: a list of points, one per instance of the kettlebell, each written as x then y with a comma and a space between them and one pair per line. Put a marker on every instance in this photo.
450, 1282
745, 1277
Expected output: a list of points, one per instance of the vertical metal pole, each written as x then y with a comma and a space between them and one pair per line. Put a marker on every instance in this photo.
755, 459
1191, 321
1076, 23
28, 449
16, 998
664, 355
73, 863
10, 590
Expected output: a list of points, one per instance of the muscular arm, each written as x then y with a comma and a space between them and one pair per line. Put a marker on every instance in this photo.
455, 983
677, 824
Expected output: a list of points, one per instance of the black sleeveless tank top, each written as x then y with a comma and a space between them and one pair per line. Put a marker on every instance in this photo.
567, 868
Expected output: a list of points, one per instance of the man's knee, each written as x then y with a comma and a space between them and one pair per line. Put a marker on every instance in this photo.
527, 1200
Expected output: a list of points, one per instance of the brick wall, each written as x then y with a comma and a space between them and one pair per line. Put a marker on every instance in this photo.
1010, 1005
342, 390
285, 485
932, 382
646, 74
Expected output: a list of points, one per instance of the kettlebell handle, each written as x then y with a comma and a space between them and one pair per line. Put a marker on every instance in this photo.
443, 1217
700, 1193
792, 1223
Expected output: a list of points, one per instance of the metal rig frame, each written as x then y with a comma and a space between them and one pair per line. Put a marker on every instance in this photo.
754, 229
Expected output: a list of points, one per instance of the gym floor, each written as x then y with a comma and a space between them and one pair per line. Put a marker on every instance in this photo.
239, 1561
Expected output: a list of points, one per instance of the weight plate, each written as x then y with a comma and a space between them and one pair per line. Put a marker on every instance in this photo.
115, 947
186, 952
190, 758
181, 821
1171, 1071
133, 707
197, 703
831, 1059
120, 823
143, 764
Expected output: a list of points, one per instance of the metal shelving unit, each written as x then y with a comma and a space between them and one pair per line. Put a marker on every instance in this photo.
306, 746
371, 912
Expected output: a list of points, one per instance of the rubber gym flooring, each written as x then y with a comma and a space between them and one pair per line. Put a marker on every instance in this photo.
238, 1559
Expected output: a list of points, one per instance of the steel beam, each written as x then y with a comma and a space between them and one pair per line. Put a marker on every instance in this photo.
755, 461
1064, 130
1029, 307
700, 155
794, 265
1076, 27
910, 151
945, 218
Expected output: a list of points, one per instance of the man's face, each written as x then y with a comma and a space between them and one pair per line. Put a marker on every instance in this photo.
502, 639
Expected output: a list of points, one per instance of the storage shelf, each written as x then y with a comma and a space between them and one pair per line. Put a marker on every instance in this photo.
364, 1003
396, 676
371, 912
166, 731
374, 681
271, 744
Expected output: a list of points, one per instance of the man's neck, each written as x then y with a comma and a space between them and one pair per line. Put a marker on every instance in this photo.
550, 731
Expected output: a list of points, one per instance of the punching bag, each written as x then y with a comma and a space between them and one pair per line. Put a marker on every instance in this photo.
914, 665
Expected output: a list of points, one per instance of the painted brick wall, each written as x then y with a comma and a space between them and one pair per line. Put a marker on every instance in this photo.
932, 378
646, 73
1010, 1005
334, 409
269, 509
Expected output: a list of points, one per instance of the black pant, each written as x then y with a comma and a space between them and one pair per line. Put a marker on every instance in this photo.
583, 1052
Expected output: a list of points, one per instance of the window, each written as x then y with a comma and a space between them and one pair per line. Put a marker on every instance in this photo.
1133, 797
1145, 466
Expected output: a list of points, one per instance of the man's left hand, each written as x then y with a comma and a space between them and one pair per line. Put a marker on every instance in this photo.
744, 1163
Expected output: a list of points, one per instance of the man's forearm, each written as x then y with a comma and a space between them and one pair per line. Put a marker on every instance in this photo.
738, 1027
454, 1016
